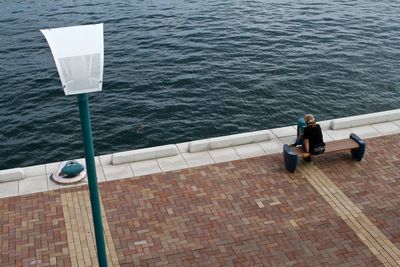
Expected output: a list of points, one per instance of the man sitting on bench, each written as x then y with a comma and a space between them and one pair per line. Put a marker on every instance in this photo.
309, 136
313, 142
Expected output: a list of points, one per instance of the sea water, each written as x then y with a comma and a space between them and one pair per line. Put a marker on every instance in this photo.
179, 70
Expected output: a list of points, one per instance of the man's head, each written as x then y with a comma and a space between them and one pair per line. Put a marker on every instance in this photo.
309, 119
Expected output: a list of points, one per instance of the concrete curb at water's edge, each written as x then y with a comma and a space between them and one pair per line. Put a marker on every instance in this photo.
366, 119
197, 153
12, 174
144, 154
229, 140
194, 146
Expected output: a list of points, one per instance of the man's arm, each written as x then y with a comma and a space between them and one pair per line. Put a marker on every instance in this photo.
306, 146
306, 143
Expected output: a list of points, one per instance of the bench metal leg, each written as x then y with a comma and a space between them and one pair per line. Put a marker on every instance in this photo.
290, 158
358, 153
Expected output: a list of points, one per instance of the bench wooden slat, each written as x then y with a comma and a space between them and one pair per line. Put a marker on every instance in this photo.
333, 146
340, 145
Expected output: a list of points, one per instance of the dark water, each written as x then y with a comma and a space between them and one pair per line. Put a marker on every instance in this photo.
180, 70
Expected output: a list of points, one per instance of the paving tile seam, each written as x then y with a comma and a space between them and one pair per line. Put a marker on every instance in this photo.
368, 233
184, 159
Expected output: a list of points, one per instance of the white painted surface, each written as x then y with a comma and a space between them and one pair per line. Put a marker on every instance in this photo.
271, 147
100, 174
339, 134
229, 140
51, 185
183, 147
224, 154
239, 139
145, 167
114, 172
366, 119
83, 162
325, 125
375, 118
365, 132
386, 128
199, 145
144, 154
393, 115
285, 131
123, 157
80, 183
326, 136
33, 185
11, 175
172, 163
288, 139
198, 159
9, 189
52, 167
249, 151
35, 170
106, 159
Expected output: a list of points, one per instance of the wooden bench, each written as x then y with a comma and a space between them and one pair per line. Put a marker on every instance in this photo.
355, 144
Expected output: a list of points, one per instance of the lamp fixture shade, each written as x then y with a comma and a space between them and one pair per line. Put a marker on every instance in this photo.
78, 52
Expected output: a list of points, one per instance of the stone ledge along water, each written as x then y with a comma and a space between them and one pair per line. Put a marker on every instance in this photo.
178, 71
36, 178
139, 162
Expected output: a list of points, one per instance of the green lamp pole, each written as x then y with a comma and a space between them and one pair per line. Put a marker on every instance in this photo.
78, 52
84, 114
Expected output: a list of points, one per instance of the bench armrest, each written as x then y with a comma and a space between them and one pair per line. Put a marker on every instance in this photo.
290, 158
358, 153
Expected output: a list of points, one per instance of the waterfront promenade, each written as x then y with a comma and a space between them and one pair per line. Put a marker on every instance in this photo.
246, 212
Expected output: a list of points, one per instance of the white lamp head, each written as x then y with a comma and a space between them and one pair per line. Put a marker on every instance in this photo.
78, 52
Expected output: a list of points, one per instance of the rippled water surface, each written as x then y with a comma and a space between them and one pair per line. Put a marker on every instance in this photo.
180, 70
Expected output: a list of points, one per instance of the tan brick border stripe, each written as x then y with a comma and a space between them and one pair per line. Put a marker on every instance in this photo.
80, 232
368, 233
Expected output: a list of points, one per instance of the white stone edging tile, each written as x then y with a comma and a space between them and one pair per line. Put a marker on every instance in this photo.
144, 154
365, 119
12, 175
229, 140
183, 158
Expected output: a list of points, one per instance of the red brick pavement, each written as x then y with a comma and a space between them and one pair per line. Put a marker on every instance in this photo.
373, 184
246, 213
32, 231
209, 216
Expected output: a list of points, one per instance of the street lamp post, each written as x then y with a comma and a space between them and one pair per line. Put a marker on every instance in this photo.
79, 56
84, 114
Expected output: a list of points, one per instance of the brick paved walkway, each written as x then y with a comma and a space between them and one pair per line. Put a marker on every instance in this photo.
251, 212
